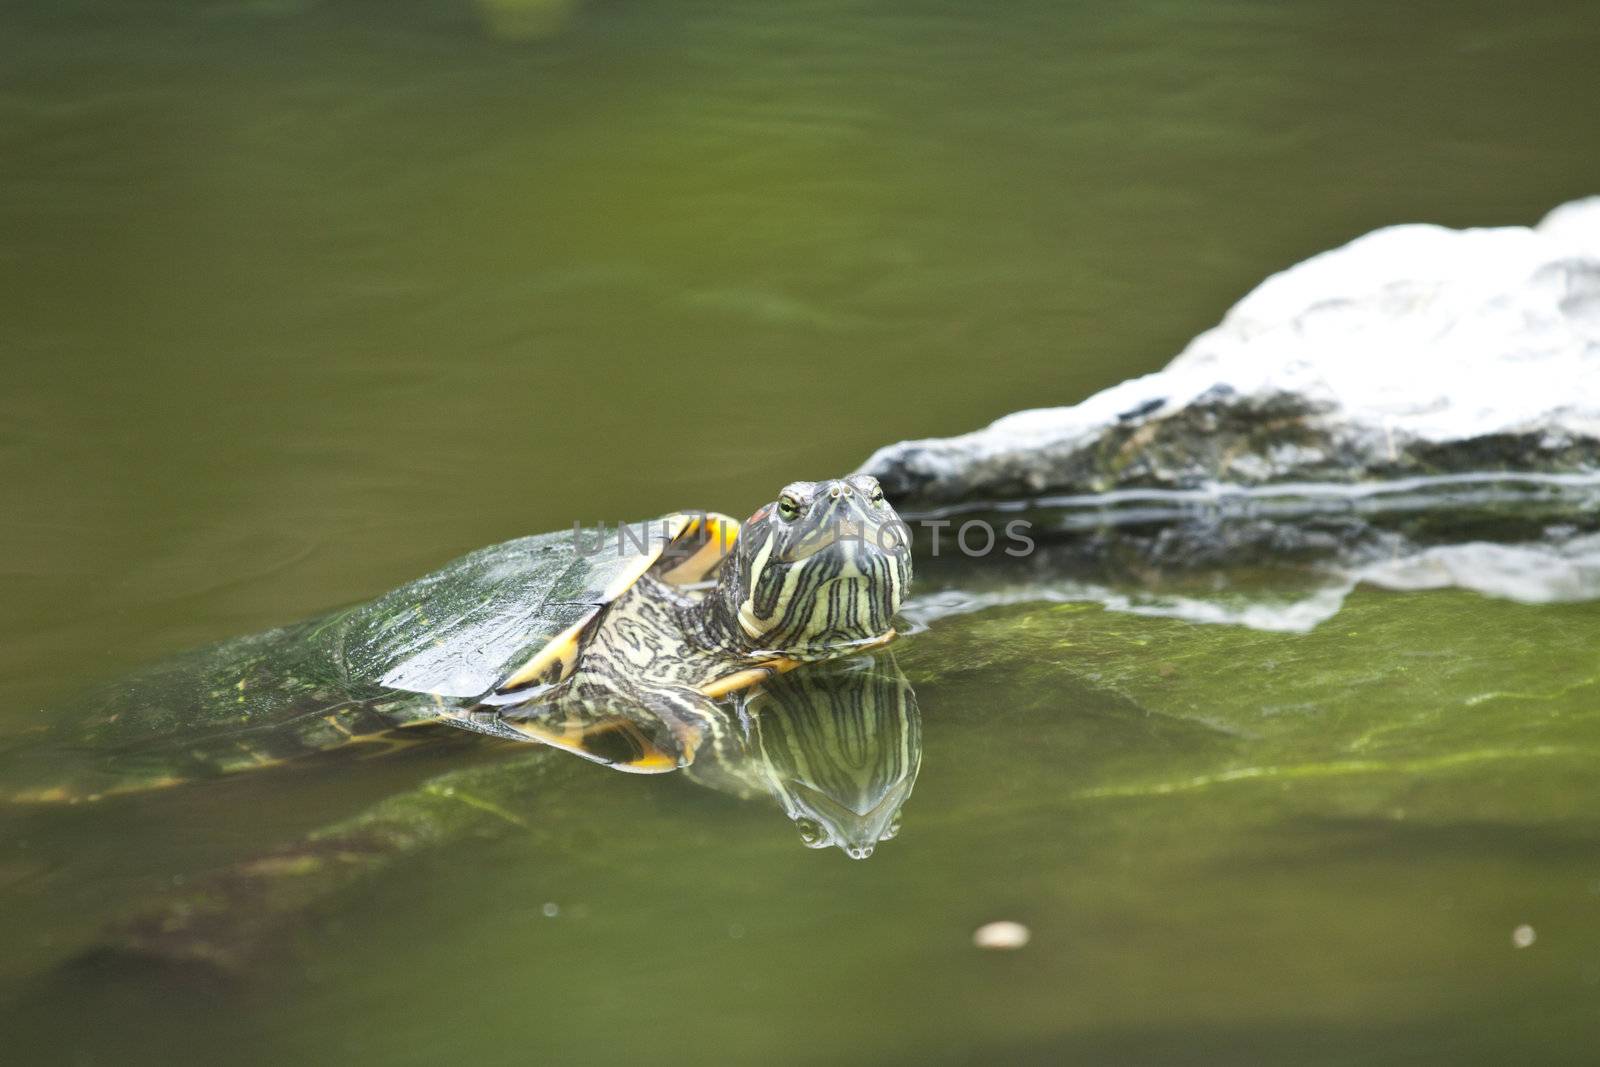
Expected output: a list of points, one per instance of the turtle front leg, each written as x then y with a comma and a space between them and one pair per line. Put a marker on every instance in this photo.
748, 677
693, 718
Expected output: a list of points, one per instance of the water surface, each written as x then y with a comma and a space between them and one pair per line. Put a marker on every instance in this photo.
299, 300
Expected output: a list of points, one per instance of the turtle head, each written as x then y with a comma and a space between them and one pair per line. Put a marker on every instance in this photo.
820, 569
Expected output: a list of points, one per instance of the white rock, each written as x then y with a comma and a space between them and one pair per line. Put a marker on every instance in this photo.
1412, 335
1440, 334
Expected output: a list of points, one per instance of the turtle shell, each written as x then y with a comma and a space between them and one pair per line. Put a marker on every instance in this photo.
512, 615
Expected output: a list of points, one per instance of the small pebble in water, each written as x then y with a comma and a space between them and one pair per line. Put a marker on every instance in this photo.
1523, 936
1001, 935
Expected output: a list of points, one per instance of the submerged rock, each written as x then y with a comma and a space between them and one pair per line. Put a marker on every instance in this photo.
1414, 351
1107, 735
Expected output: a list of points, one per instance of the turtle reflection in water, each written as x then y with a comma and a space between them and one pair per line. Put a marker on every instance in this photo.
659, 619
838, 745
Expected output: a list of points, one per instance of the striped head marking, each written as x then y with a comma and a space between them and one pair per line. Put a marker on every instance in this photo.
821, 568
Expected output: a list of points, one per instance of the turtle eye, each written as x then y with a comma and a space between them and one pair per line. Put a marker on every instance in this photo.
788, 507
811, 832
876, 496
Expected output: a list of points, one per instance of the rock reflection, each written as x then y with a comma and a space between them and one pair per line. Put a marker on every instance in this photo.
1282, 558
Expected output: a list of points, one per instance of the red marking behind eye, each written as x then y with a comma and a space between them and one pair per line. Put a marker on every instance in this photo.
760, 514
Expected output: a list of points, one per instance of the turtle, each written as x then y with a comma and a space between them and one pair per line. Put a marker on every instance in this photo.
665, 617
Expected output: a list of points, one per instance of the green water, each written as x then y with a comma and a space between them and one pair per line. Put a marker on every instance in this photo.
299, 300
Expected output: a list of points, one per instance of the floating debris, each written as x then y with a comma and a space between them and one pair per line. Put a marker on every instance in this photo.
1001, 936
1523, 936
